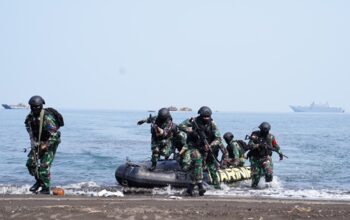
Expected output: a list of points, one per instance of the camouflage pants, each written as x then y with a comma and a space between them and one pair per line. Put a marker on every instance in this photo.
186, 160
261, 167
46, 160
212, 171
196, 167
160, 148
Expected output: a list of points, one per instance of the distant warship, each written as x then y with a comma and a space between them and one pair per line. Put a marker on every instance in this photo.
313, 107
18, 106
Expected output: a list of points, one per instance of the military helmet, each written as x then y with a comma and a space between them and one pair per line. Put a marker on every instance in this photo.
265, 126
205, 111
36, 101
163, 113
228, 137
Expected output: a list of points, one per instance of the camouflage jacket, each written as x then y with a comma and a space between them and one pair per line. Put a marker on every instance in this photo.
50, 133
162, 130
235, 151
257, 146
211, 132
179, 140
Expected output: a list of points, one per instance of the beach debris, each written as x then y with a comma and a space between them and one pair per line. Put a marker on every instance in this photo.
58, 191
105, 193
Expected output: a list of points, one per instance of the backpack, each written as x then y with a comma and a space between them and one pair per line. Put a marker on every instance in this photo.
58, 117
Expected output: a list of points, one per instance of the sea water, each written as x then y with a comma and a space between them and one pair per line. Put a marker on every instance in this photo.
95, 142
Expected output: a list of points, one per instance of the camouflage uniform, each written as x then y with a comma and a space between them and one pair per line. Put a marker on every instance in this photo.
161, 141
235, 154
179, 143
49, 136
211, 163
161, 144
260, 157
196, 148
193, 153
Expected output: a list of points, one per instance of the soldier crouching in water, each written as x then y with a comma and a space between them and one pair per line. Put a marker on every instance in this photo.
200, 147
162, 132
45, 138
262, 143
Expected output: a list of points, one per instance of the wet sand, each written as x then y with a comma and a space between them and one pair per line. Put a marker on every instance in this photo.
149, 207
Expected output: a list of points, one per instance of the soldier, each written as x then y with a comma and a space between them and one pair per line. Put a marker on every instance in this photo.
199, 146
42, 126
235, 151
262, 143
162, 132
179, 143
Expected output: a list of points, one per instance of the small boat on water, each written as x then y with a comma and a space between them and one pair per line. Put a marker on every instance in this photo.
168, 172
320, 108
18, 106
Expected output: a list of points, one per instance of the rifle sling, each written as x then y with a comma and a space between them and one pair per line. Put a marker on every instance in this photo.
41, 124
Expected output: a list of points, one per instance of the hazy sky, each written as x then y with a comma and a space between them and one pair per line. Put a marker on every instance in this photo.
230, 55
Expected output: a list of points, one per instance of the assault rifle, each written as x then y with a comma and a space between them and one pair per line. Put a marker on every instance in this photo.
35, 153
262, 142
203, 137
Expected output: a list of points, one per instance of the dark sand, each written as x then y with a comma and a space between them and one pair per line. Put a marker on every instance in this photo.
148, 207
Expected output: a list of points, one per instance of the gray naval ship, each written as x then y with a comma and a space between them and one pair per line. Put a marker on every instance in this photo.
313, 107
18, 106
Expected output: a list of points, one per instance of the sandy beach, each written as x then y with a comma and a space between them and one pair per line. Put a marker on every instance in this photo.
149, 207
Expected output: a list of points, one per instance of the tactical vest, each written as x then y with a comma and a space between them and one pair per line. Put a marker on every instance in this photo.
194, 139
34, 124
261, 152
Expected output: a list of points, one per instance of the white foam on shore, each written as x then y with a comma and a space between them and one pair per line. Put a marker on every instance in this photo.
14, 189
242, 189
264, 190
275, 189
84, 188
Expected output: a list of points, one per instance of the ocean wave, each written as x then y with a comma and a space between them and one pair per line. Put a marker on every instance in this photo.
274, 189
242, 189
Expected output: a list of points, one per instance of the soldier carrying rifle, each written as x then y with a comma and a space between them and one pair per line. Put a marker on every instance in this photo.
262, 144
42, 126
203, 141
162, 130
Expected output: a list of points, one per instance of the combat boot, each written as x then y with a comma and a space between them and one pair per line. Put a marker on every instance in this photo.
201, 189
153, 167
190, 189
217, 185
36, 186
45, 190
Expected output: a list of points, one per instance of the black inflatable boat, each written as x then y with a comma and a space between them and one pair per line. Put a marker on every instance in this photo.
168, 172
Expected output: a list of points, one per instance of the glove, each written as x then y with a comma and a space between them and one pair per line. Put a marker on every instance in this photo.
281, 156
225, 163
140, 122
256, 146
236, 162
43, 147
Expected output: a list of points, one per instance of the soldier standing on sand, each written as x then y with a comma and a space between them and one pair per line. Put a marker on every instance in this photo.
162, 133
235, 151
42, 127
262, 143
199, 148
